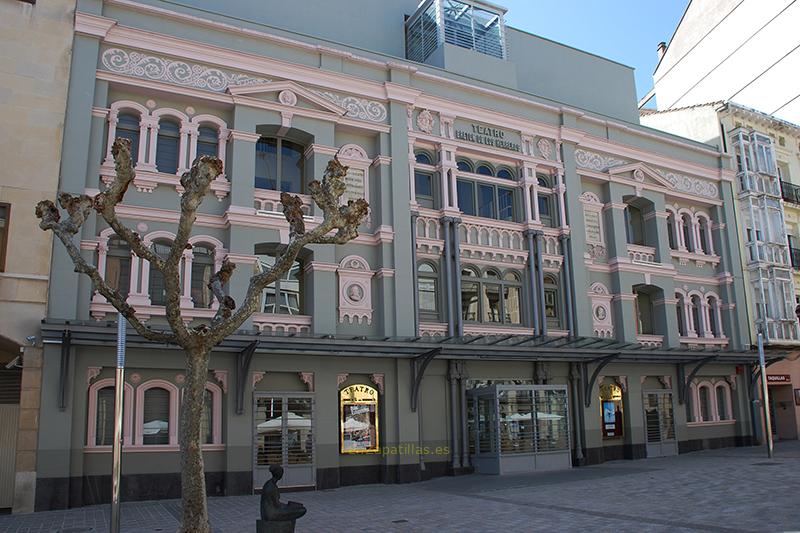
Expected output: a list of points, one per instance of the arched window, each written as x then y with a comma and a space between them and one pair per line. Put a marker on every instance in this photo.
210, 420
492, 298
679, 307
545, 201
644, 312
686, 228
552, 304
484, 170
634, 225
128, 128
156, 413
279, 165
705, 235
100, 421
423, 158
168, 146
284, 296
463, 165
704, 403
723, 408
202, 270
428, 290
157, 288
118, 266
673, 241
505, 173
695, 310
207, 141
714, 324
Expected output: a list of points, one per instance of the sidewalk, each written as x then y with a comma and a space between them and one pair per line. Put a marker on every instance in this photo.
733, 489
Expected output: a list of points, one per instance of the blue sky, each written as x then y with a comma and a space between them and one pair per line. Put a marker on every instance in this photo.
626, 31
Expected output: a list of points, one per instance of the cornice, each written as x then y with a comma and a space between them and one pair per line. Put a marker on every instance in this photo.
93, 25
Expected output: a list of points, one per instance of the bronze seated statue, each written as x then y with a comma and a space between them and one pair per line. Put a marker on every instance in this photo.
276, 516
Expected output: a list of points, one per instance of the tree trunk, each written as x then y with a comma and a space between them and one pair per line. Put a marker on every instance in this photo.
193, 482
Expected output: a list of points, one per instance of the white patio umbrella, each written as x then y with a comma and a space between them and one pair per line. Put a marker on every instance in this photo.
294, 421
351, 424
154, 427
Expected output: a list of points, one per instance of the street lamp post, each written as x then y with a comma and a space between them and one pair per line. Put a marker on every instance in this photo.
765, 396
119, 387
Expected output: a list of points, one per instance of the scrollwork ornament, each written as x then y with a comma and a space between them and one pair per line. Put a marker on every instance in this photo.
425, 121
545, 148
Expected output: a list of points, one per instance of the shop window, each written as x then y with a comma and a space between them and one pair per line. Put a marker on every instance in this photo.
168, 146
428, 291
210, 423
100, 422
358, 419
491, 298
157, 288
284, 296
611, 405
207, 141
202, 270
704, 403
128, 128
279, 165
723, 412
156, 413
516, 424
118, 266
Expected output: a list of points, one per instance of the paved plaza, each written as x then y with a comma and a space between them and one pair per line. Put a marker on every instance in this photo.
735, 489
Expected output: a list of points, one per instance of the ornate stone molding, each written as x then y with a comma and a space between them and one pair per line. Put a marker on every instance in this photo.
425, 121
91, 373
341, 378
359, 108
598, 162
222, 377
690, 185
257, 376
308, 379
545, 148
172, 71
378, 380
355, 290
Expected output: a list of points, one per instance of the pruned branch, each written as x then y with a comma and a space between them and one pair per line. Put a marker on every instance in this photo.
341, 219
78, 208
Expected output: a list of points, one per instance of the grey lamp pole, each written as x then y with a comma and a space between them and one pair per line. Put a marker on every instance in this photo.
765, 396
119, 387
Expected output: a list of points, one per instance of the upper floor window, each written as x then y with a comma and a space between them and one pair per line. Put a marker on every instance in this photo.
207, 141
464, 166
168, 146
128, 128
505, 173
484, 170
644, 312
428, 290
423, 158
552, 303
424, 189
634, 225
202, 270
545, 201
486, 200
284, 296
157, 287
279, 165
118, 266
490, 297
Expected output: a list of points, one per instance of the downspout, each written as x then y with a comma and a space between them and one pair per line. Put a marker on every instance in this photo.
532, 290
415, 273
457, 275
567, 271
576, 433
540, 278
448, 261
464, 434
451, 377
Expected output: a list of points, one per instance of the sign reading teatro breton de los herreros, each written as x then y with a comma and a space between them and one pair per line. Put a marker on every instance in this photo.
488, 136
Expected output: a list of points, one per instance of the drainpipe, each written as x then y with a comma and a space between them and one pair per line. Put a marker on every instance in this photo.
576, 433
532, 291
415, 274
464, 434
448, 261
457, 288
540, 278
451, 377
567, 272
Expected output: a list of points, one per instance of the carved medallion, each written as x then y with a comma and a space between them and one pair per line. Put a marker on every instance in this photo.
287, 98
425, 121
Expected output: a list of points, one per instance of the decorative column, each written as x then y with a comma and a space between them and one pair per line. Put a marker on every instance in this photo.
698, 245
679, 232
186, 297
150, 124
113, 119
526, 197
560, 189
718, 313
687, 312
188, 136
706, 319
412, 185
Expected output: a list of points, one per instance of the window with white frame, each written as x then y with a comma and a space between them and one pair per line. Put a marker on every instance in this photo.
157, 288
168, 146
118, 266
202, 269
711, 401
491, 297
285, 295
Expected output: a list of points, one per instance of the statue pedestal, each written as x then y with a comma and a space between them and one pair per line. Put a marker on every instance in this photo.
278, 526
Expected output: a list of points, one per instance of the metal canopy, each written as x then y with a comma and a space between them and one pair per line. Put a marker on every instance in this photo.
488, 347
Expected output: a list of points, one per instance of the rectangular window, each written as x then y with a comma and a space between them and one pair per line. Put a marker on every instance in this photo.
427, 295
267, 164
423, 188
469, 301
5, 213
486, 206
466, 197
505, 203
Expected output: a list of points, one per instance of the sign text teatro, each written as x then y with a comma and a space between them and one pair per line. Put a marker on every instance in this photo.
488, 136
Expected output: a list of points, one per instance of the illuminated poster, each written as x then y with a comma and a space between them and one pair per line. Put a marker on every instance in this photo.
358, 419
611, 405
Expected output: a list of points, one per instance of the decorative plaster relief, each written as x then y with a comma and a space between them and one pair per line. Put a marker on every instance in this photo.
545, 148
171, 71
593, 161
697, 186
602, 321
355, 290
378, 380
308, 379
222, 377
357, 107
425, 121
91, 373
287, 97
341, 378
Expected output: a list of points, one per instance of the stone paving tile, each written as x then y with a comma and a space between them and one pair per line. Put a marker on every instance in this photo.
719, 490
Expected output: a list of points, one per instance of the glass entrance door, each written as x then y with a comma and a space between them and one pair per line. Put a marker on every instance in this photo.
283, 432
659, 424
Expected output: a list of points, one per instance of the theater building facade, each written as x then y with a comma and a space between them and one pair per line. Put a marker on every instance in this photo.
541, 282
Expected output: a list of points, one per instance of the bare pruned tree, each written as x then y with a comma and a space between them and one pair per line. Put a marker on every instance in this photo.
339, 225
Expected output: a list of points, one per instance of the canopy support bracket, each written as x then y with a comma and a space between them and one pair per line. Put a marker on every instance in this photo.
418, 366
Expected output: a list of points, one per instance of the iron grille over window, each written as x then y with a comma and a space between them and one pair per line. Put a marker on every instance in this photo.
470, 25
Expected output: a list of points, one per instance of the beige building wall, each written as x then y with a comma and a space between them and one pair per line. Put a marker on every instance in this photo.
34, 72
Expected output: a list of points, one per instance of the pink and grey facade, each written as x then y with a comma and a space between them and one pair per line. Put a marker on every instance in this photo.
541, 282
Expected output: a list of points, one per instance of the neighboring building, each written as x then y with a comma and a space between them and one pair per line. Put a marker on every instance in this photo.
541, 283
732, 50
766, 151
37, 43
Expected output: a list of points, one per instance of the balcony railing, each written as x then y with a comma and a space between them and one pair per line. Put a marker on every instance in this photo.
790, 192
